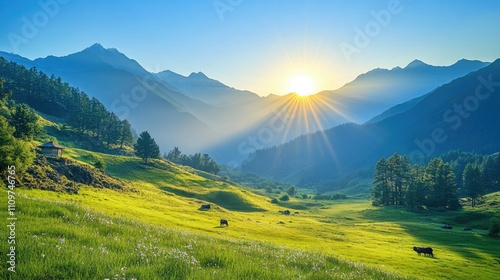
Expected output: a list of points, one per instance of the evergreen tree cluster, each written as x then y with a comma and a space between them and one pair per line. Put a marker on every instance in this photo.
398, 182
16, 153
489, 169
52, 96
198, 161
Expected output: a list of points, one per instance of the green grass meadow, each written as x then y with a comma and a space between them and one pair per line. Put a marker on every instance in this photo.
60, 240
152, 229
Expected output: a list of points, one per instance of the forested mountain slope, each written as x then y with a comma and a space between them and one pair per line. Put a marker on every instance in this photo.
459, 115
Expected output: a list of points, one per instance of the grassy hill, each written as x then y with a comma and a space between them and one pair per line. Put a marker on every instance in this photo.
138, 221
156, 212
61, 240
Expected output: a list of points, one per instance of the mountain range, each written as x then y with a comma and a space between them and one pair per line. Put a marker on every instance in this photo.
200, 114
461, 114
372, 93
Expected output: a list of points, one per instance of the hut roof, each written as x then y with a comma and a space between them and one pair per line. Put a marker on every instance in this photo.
51, 145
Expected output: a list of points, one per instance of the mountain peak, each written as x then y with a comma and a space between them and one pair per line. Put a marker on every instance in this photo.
198, 75
464, 61
96, 45
97, 54
416, 63
98, 48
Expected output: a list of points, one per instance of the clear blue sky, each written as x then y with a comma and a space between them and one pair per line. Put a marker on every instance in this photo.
259, 45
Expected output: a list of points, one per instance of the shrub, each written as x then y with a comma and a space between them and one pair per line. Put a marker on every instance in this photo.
274, 200
339, 196
285, 197
494, 229
100, 164
322, 197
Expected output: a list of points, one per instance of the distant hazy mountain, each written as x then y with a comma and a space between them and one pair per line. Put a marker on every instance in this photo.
18, 59
462, 114
91, 58
398, 109
195, 113
199, 86
372, 93
127, 89
199, 114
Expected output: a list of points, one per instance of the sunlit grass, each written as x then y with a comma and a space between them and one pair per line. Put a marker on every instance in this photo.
167, 195
65, 241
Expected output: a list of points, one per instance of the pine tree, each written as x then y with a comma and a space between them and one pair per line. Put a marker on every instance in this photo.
146, 147
491, 173
213, 167
174, 155
399, 169
380, 191
416, 191
472, 183
25, 120
13, 152
125, 133
443, 190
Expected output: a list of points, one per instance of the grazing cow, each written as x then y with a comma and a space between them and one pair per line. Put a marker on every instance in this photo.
447, 227
468, 228
224, 222
205, 207
427, 251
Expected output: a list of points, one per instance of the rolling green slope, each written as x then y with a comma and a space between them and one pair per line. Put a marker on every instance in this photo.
166, 197
61, 240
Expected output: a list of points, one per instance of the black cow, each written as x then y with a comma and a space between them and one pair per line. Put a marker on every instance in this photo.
205, 207
447, 227
427, 251
224, 222
468, 228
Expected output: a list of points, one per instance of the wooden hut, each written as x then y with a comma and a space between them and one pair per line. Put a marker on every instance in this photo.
51, 149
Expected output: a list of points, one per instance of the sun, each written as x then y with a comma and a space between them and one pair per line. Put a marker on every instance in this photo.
301, 85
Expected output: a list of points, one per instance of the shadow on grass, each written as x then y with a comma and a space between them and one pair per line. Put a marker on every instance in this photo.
229, 200
427, 228
293, 205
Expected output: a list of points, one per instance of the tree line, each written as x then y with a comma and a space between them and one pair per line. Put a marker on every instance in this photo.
29, 90
18, 125
487, 165
398, 182
198, 161
146, 148
52, 96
